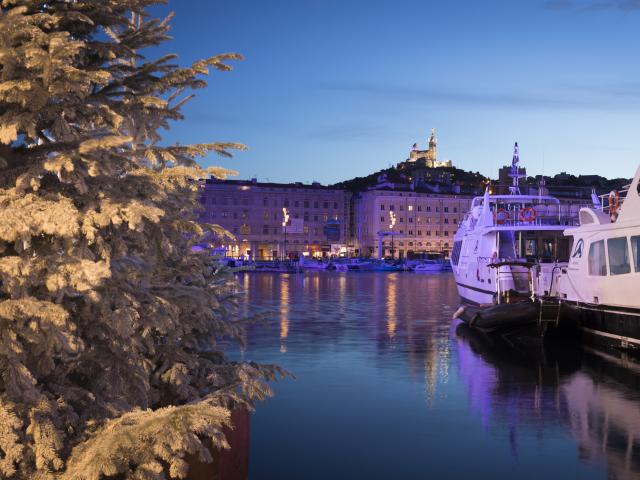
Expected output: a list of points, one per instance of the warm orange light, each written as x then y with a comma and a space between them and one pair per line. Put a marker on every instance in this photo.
391, 307
284, 316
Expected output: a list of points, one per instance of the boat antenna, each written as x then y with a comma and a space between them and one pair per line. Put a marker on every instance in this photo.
515, 175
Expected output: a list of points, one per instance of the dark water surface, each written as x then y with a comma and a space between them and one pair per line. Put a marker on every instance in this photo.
388, 387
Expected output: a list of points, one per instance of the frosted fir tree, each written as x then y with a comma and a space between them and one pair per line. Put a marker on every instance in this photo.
109, 365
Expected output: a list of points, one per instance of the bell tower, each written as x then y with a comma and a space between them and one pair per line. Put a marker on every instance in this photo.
431, 154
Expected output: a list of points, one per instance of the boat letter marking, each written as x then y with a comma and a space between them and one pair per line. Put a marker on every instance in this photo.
577, 253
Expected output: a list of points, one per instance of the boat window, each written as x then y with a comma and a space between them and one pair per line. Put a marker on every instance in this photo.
547, 252
507, 244
618, 256
564, 249
597, 262
531, 247
635, 248
455, 254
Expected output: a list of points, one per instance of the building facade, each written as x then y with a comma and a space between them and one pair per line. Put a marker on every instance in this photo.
317, 218
406, 222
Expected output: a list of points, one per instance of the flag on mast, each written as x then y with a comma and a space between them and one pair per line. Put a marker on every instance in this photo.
514, 189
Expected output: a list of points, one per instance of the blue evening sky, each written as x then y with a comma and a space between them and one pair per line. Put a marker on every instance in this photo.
332, 89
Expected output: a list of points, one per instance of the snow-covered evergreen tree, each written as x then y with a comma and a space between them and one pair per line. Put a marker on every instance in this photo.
109, 365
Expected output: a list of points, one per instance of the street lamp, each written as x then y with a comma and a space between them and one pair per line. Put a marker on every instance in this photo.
392, 218
285, 221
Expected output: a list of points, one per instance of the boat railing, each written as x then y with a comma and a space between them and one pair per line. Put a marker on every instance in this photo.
513, 276
611, 202
512, 219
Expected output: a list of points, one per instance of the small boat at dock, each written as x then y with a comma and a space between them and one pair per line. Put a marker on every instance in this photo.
382, 266
278, 266
354, 265
428, 266
313, 264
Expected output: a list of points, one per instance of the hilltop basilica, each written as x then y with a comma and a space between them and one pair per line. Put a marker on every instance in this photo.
426, 158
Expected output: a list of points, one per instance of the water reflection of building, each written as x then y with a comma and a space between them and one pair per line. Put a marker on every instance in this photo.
284, 314
436, 366
594, 394
408, 328
414, 325
391, 301
604, 412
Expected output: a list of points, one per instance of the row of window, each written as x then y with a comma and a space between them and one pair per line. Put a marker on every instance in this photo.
305, 204
418, 208
306, 216
426, 232
411, 244
276, 217
617, 252
278, 230
204, 200
410, 220
212, 200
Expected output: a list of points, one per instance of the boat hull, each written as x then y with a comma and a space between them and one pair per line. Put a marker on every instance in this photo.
429, 269
503, 318
386, 269
605, 325
314, 267
472, 295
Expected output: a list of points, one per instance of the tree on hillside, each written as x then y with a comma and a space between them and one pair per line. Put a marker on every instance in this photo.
109, 365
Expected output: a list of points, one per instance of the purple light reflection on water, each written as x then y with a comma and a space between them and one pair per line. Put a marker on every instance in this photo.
388, 387
480, 380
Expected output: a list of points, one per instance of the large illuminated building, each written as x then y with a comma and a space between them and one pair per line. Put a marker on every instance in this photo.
399, 223
316, 217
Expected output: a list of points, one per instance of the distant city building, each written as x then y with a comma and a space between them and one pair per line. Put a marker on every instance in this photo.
406, 222
540, 185
317, 217
427, 158
412, 209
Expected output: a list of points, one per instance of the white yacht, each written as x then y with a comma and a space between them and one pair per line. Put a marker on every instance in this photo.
599, 290
312, 264
354, 265
428, 266
503, 238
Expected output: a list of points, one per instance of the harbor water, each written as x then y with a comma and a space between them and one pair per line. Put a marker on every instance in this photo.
388, 386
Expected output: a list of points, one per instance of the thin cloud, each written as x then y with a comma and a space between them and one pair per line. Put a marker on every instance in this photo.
346, 132
593, 5
563, 100
558, 5
628, 90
